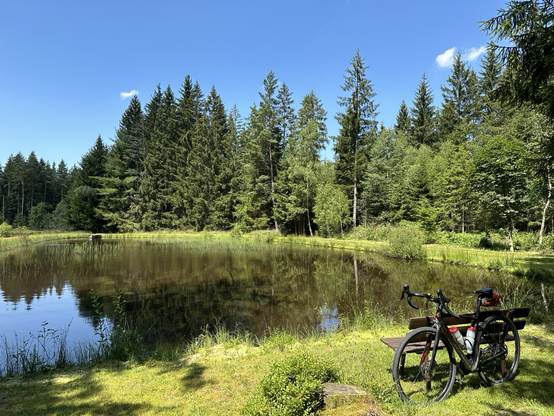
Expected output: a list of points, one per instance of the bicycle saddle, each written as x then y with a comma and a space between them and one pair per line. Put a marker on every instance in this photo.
485, 292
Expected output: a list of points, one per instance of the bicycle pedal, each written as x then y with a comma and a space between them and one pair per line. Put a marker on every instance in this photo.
459, 380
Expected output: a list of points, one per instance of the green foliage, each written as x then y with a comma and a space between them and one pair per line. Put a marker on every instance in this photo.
44, 351
292, 386
5, 230
118, 340
406, 241
521, 34
40, 217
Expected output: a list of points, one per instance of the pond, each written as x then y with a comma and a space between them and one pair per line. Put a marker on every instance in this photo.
174, 290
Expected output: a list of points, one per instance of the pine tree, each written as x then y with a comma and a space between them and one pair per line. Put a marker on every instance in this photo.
422, 130
403, 121
525, 27
358, 129
461, 102
207, 175
298, 176
121, 186
265, 150
83, 198
285, 113
163, 184
489, 77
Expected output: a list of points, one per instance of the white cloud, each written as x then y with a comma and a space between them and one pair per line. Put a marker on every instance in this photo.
445, 59
472, 54
125, 95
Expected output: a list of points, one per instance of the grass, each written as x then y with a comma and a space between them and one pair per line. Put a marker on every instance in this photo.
217, 378
526, 263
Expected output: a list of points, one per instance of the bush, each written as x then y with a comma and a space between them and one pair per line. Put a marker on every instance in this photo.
5, 230
292, 387
406, 241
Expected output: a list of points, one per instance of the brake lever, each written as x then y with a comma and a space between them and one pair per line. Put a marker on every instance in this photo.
406, 290
411, 304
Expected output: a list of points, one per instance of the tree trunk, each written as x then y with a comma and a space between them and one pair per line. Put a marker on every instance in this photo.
511, 236
355, 202
545, 207
272, 186
308, 210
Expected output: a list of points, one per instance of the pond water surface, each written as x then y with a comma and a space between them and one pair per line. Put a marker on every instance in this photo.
174, 290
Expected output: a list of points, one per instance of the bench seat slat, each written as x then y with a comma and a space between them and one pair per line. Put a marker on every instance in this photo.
420, 321
394, 342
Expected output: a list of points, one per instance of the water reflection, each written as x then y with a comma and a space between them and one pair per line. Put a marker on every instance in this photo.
174, 290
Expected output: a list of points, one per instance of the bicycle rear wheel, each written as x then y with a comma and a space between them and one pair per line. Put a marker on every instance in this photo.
417, 379
499, 350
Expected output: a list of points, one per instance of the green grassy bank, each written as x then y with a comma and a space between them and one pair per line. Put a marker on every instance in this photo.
526, 263
217, 377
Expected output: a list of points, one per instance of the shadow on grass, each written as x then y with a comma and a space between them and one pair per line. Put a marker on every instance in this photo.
40, 396
194, 380
533, 382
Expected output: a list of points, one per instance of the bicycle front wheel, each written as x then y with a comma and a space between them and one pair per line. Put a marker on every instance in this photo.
419, 378
499, 350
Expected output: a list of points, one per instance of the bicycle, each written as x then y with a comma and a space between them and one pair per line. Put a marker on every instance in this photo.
424, 364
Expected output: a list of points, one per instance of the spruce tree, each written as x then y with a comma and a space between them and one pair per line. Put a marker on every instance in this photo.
524, 41
489, 77
121, 186
83, 198
403, 122
422, 130
265, 150
162, 183
358, 129
461, 102
298, 176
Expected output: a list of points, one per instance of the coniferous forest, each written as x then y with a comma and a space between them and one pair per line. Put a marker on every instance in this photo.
482, 160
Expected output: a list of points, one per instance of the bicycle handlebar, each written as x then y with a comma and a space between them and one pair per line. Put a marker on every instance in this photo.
440, 300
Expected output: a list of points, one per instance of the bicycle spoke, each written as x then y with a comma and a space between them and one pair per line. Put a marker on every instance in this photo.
423, 380
499, 355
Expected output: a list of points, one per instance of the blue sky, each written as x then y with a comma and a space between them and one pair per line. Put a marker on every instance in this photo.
66, 66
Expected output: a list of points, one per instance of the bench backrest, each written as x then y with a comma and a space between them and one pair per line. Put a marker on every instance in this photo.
514, 314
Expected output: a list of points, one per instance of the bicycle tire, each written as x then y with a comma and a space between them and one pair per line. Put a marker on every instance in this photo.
499, 358
417, 380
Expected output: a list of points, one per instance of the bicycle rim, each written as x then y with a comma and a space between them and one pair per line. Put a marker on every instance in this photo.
417, 379
499, 350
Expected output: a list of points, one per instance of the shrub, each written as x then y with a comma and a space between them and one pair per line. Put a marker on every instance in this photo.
406, 241
5, 230
292, 387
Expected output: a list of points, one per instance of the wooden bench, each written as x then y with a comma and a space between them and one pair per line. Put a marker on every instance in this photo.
515, 314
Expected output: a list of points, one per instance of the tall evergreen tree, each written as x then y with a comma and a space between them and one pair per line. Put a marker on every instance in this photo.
285, 113
120, 188
403, 122
265, 147
163, 186
461, 101
358, 129
489, 77
526, 27
83, 198
207, 178
297, 178
422, 130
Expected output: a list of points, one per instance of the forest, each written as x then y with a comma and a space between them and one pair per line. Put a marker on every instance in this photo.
480, 160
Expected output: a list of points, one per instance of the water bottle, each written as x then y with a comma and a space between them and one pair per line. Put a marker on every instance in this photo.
470, 339
459, 338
